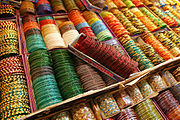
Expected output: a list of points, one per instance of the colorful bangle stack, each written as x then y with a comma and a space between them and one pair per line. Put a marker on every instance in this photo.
9, 43
80, 5
168, 44
68, 32
97, 26
173, 37
127, 114
82, 111
159, 23
129, 3
58, 6
89, 77
134, 94
147, 2
108, 80
44, 84
175, 90
146, 110
168, 20
176, 74
119, 3
150, 53
138, 3
134, 20
167, 102
107, 55
98, 3
172, 10
157, 83
158, 47
62, 116
126, 23
145, 89
34, 40
80, 23
135, 52
123, 99
14, 92
50, 33
110, 4
27, 7
70, 5
7, 11
66, 76
168, 78
114, 24
177, 30
43, 7
107, 105
145, 20
172, 16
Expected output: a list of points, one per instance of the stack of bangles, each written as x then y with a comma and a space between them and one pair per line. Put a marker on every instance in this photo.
43, 7
107, 55
80, 5
97, 26
129, 4
70, 5
34, 40
68, 32
14, 102
138, 3
172, 16
173, 37
98, 3
114, 24
177, 30
127, 114
7, 11
27, 7
44, 84
58, 6
50, 33
134, 20
80, 23
9, 43
119, 3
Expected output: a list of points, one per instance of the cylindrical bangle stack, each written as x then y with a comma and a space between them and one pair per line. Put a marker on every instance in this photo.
66, 76
89, 77
80, 23
173, 37
168, 78
175, 51
50, 33
172, 16
173, 11
110, 4
9, 43
160, 49
14, 102
135, 52
127, 114
177, 30
44, 84
70, 5
27, 7
129, 3
58, 6
7, 11
80, 5
97, 26
34, 40
98, 3
43, 7
146, 110
119, 3
68, 32
114, 24
107, 55
138, 3
126, 23
176, 74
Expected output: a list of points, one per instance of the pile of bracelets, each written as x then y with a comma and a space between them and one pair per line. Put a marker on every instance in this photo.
80, 23
7, 10
97, 26
158, 47
110, 4
127, 114
175, 90
126, 23
107, 55
9, 43
43, 7
172, 16
45, 87
68, 81
98, 3
176, 74
173, 37
68, 32
58, 6
114, 24
27, 7
89, 77
70, 5
135, 52
119, 3
176, 30
34, 39
172, 10
80, 5
129, 3
50, 32
146, 110
14, 102
138, 3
